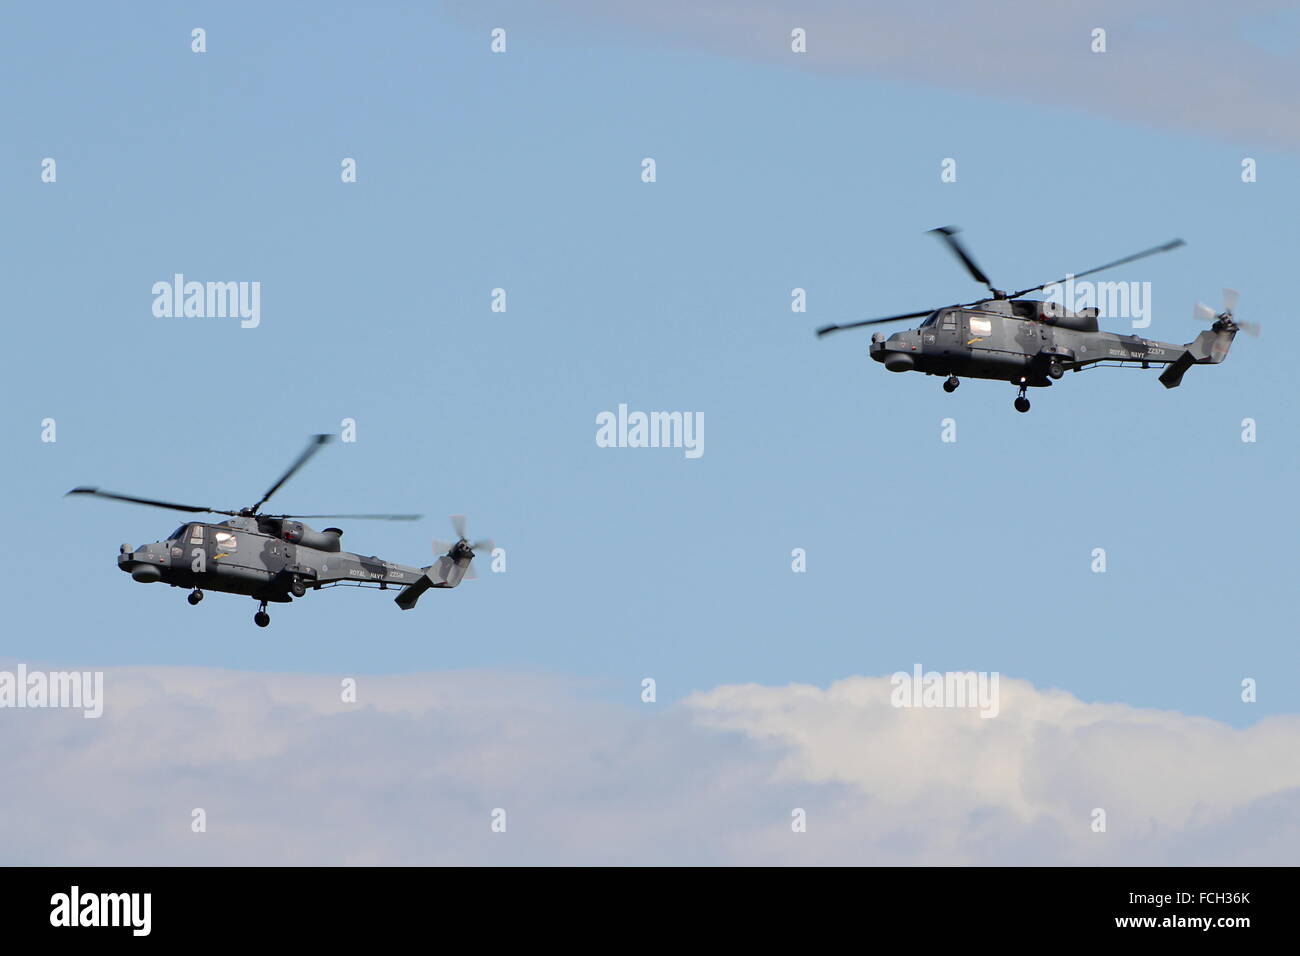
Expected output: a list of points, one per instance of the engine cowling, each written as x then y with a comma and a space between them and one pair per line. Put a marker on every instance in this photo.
295, 532
1052, 313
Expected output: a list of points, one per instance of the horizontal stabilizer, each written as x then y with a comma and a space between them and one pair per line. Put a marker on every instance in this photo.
1172, 377
411, 593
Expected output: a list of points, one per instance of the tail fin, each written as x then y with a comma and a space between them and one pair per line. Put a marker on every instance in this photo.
446, 572
1208, 348
1211, 346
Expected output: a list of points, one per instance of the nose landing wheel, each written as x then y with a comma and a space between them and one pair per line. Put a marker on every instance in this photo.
950, 383
261, 618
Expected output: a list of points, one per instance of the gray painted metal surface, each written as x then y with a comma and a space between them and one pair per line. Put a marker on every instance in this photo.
277, 558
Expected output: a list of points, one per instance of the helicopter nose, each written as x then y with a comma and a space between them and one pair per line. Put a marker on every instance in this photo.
143, 564
895, 352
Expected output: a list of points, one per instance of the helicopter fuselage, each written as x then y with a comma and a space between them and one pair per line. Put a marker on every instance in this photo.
238, 557
276, 557
1029, 342
1024, 342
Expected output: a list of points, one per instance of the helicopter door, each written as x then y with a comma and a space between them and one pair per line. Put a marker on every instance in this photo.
948, 334
224, 544
979, 331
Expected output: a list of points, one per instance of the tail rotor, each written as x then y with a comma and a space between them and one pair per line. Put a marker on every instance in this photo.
1203, 313
462, 547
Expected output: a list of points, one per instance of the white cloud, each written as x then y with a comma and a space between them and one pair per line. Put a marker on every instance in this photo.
288, 773
980, 791
1197, 66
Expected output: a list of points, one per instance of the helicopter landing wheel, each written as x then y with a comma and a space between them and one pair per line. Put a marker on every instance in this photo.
297, 589
1022, 404
195, 596
950, 384
261, 618
1055, 370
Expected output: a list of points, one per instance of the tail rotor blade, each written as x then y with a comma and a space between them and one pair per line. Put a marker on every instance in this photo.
1203, 313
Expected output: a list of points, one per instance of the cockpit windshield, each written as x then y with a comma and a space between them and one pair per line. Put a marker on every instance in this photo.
177, 534
930, 319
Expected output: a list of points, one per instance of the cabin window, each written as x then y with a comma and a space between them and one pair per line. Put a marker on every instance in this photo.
226, 542
196, 534
981, 326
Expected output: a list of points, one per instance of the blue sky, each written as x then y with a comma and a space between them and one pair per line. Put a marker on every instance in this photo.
522, 171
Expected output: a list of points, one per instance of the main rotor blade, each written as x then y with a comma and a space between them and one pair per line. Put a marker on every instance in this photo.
949, 234
1173, 244
825, 329
356, 517
152, 502
313, 446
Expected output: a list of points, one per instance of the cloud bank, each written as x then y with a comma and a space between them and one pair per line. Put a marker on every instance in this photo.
287, 773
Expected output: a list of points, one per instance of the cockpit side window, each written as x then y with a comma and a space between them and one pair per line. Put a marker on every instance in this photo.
196, 534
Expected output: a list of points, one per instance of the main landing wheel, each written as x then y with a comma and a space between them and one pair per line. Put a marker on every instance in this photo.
297, 589
261, 619
195, 596
1055, 370
1022, 404
950, 383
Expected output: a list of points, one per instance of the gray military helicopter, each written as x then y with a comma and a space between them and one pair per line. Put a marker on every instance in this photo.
1031, 343
275, 558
